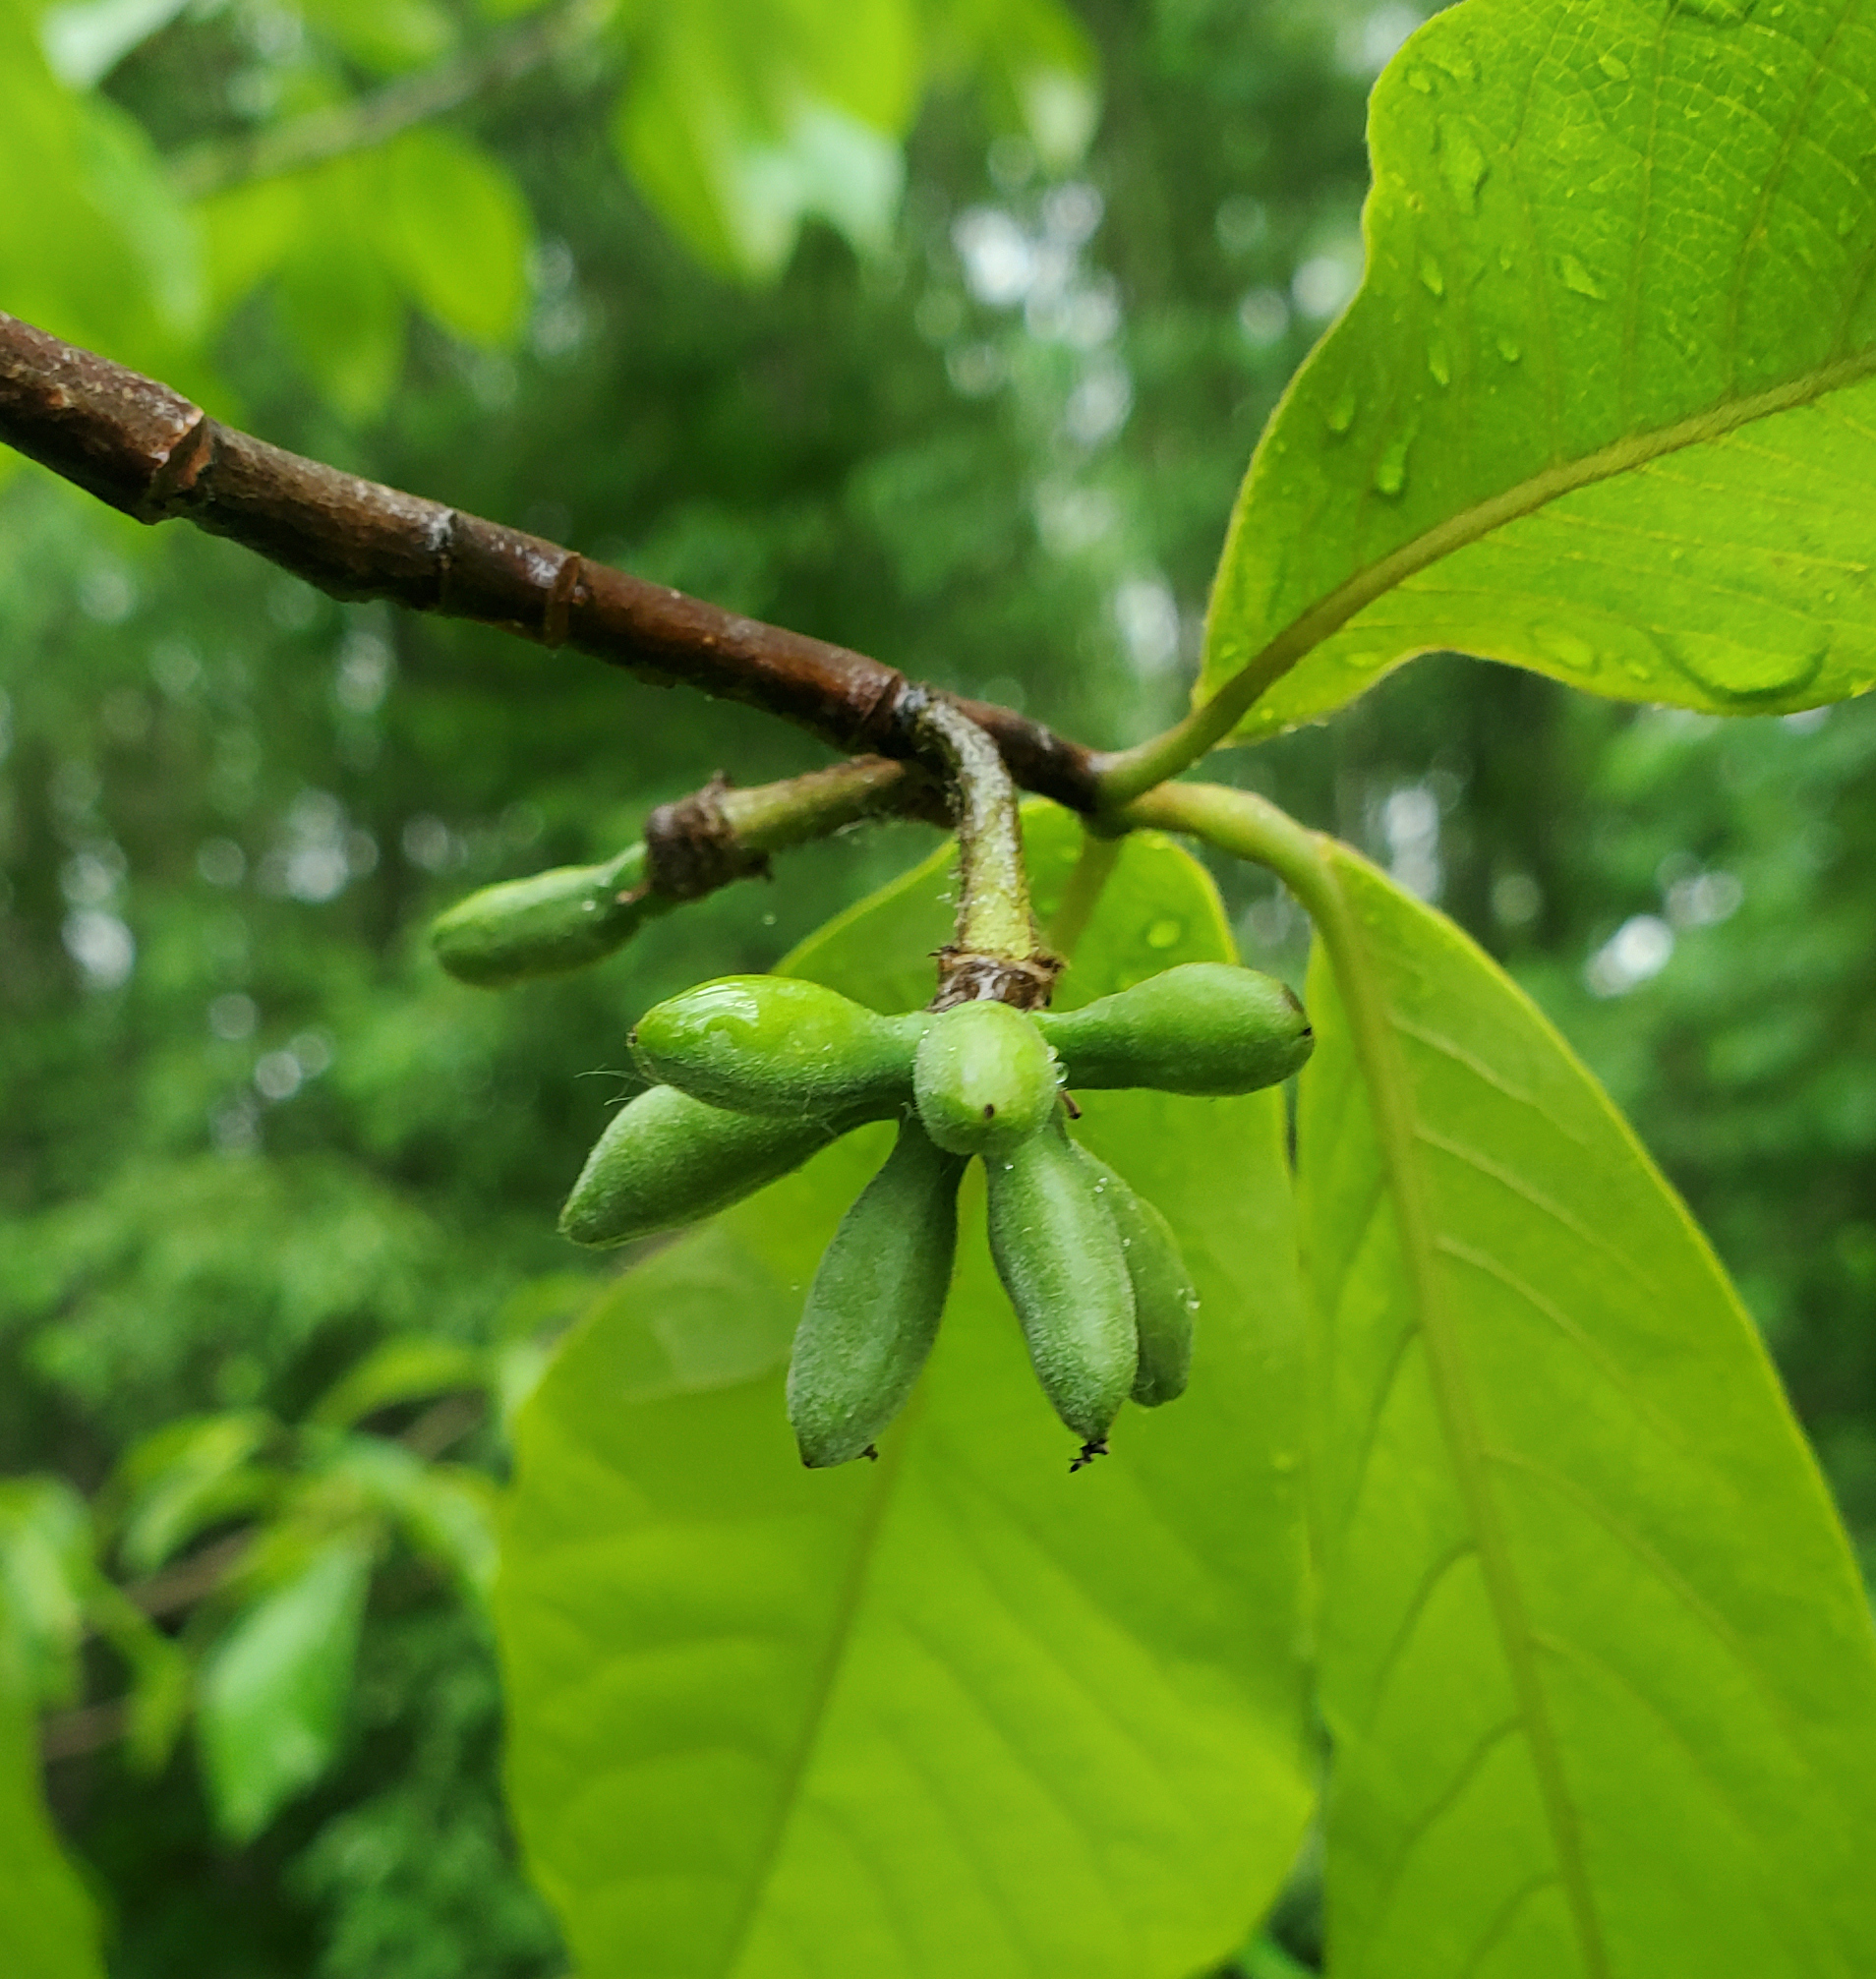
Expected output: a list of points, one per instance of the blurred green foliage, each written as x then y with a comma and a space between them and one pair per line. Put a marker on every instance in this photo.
256, 1146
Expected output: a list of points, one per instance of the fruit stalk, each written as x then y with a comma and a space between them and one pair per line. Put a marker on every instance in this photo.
995, 953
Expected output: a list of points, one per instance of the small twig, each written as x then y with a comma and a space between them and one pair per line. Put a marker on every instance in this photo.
338, 128
90, 1727
189, 1580
147, 451
443, 1422
720, 834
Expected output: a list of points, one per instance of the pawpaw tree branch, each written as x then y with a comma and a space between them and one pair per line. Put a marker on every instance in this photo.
149, 452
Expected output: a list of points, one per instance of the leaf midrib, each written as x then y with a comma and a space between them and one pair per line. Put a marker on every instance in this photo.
827, 1676
1294, 643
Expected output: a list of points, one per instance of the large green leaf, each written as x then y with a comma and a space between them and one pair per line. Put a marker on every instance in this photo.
742, 117
271, 1704
958, 1711
48, 1929
1599, 1676
94, 243
1604, 405
455, 230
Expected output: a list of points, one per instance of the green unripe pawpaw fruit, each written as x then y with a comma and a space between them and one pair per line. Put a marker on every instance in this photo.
544, 925
873, 1310
667, 1159
983, 1078
1059, 1259
1208, 1028
776, 1045
1165, 1301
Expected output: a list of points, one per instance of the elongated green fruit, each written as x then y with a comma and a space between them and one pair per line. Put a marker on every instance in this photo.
983, 1078
667, 1159
872, 1311
776, 1045
1208, 1028
544, 925
1165, 1301
1059, 1259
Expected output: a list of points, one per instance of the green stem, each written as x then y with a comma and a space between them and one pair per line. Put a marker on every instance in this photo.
1123, 775
773, 817
1083, 894
993, 884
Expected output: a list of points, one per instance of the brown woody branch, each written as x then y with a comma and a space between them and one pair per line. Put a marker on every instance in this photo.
147, 451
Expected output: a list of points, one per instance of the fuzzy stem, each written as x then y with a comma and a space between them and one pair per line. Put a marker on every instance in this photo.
995, 951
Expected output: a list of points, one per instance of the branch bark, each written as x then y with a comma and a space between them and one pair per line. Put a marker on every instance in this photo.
149, 452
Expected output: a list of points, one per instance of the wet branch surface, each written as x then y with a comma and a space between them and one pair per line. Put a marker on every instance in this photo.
149, 452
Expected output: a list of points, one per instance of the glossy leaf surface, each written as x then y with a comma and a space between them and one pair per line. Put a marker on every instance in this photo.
1596, 1669
1604, 404
956, 1711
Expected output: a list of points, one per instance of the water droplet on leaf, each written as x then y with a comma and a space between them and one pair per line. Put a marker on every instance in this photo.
1391, 471
1432, 278
1510, 349
1613, 66
1419, 78
1578, 279
1568, 648
1438, 363
1342, 412
1165, 934
1461, 161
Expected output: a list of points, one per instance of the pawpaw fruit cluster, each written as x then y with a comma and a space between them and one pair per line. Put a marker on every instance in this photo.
753, 1074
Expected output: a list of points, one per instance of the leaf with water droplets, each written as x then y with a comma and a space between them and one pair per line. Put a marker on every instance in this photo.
1578, 279
1596, 1666
1617, 289
1461, 161
1391, 471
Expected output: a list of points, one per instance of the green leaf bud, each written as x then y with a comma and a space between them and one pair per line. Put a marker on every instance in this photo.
778, 1045
873, 1310
1165, 1303
983, 1077
1207, 1028
1059, 1259
547, 924
667, 1159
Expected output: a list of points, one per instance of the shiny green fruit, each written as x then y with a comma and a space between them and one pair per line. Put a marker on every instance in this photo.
1165, 1301
873, 1310
983, 1078
667, 1159
544, 925
778, 1045
1060, 1259
1207, 1028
